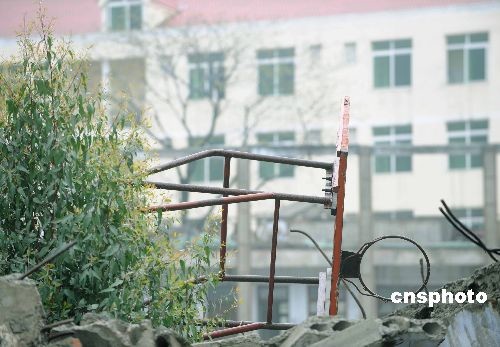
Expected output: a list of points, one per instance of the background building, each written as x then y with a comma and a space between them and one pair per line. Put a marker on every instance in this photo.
268, 76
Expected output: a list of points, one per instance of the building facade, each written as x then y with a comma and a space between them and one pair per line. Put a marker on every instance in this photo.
268, 78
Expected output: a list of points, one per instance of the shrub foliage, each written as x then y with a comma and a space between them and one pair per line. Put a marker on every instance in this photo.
68, 171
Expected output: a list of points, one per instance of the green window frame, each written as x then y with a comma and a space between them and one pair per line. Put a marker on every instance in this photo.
206, 75
276, 71
274, 170
467, 57
208, 169
392, 63
124, 15
397, 136
467, 132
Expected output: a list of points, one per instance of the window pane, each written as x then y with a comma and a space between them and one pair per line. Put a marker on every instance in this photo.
118, 18
459, 140
217, 83
378, 131
479, 124
196, 169
196, 83
265, 138
479, 37
455, 66
286, 52
403, 163
264, 53
286, 79
476, 160
479, 139
286, 137
380, 45
456, 161
403, 70
216, 169
381, 72
266, 85
266, 170
402, 43
286, 170
403, 129
135, 17
382, 163
477, 64
455, 39
455, 126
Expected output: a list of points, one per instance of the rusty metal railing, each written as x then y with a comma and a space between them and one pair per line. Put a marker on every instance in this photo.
335, 186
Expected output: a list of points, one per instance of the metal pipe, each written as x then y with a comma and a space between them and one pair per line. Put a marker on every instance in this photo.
211, 202
236, 323
337, 236
265, 279
223, 224
239, 155
272, 266
234, 330
240, 198
200, 189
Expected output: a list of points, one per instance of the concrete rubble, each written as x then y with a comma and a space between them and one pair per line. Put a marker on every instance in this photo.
22, 318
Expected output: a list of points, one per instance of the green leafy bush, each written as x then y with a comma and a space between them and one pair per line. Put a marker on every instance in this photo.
68, 172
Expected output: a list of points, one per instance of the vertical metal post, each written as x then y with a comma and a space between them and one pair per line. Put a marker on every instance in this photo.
338, 182
272, 267
223, 225
337, 239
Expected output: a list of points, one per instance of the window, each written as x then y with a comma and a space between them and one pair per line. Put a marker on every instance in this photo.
472, 218
466, 133
467, 57
124, 15
271, 170
209, 169
276, 71
206, 75
392, 136
350, 52
391, 63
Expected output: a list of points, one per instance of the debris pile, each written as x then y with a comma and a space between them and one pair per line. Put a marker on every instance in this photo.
22, 324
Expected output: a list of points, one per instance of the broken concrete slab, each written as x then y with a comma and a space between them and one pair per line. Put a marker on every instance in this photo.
100, 330
7, 338
21, 309
474, 326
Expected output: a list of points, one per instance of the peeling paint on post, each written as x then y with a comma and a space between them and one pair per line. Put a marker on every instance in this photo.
338, 183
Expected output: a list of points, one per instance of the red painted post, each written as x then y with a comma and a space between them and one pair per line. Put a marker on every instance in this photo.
338, 183
223, 225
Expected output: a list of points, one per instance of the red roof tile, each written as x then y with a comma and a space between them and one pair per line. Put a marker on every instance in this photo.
84, 16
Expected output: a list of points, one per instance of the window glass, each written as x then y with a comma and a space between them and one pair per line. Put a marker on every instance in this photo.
286, 78
476, 64
206, 75
466, 56
381, 71
276, 71
135, 16
118, 18
403, 70
382, 163
456, 66
266, 79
